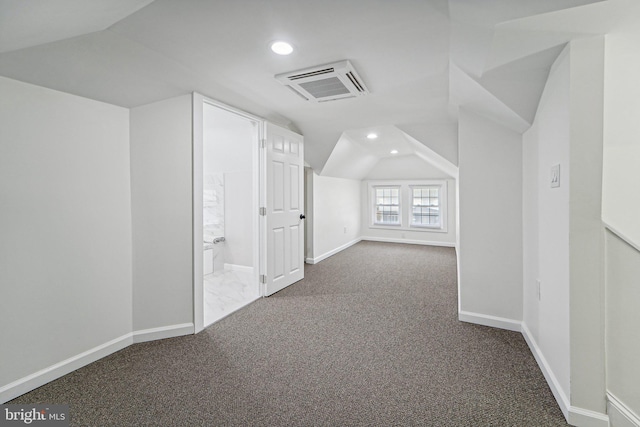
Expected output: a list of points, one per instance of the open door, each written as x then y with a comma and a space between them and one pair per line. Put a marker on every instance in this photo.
284, 208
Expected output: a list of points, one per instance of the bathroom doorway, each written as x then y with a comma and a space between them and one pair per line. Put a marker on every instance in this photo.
230, 189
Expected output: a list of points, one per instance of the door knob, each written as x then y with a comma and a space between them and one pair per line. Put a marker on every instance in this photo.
302, 216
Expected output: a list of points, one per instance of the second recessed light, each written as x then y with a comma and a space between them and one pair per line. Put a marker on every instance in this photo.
281, 48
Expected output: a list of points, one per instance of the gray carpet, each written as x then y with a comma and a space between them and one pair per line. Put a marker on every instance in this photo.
370, 337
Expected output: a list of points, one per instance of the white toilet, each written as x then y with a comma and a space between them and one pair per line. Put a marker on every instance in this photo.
213, 255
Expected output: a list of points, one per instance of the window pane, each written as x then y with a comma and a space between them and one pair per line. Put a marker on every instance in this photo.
387, 205
425, 209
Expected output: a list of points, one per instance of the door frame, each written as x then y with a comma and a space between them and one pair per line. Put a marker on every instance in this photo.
198, 102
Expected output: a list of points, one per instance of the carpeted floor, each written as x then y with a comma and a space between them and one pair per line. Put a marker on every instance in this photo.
370, 337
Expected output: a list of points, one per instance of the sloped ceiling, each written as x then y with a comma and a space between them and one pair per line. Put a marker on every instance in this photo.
421, 59
405, 167
357, 157
30, 23
504, 76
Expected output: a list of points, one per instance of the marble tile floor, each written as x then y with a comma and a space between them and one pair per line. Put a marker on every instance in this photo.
226, 292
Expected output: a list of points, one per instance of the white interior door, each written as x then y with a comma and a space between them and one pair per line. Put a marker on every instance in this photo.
284, 208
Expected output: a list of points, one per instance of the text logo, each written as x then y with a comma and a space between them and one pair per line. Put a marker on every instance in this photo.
34, 415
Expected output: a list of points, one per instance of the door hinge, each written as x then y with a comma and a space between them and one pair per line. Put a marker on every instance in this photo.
263, 278
263, 143
263, 211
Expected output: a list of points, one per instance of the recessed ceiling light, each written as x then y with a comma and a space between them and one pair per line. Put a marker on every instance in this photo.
394, 151
372, 136
281, 48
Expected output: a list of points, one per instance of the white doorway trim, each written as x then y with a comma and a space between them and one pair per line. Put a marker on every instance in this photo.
197, 202
196, 198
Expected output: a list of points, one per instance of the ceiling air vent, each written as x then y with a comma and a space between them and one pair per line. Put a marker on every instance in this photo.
325, 83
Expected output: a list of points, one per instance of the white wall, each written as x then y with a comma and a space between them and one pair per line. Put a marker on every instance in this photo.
563, 234
621, 174
228, 141
335, 215
335, 203
490, 209
161, 208
406, 234
621, 210
585, 222
412, 167
65, 251
622, 320
546, 225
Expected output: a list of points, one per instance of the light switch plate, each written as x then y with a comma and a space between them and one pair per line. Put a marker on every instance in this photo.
555, 176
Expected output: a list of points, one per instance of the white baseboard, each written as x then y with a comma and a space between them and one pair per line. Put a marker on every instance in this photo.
163, 332
487, 320
585, 418
43, 376
408, 241
620, 415
375, 239
237, 267
46, 375
331, 252
574, 415
554, 384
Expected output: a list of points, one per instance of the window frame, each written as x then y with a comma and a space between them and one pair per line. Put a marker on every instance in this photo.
406, 204
375, 205
412, 197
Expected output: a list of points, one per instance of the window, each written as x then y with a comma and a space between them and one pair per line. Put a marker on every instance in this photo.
416, 205
425, 208
387, 205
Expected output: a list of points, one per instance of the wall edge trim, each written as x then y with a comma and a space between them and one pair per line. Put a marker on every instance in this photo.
574, 415
622, 236
620, 412
552, 381
332, 252
407, 241
586, 418
64, 367
163, 332
488, 320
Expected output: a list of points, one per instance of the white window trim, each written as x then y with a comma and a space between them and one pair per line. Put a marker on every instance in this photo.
373, 210
406, 196
441, 208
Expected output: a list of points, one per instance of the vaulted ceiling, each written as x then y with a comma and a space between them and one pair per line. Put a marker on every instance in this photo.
420, 59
